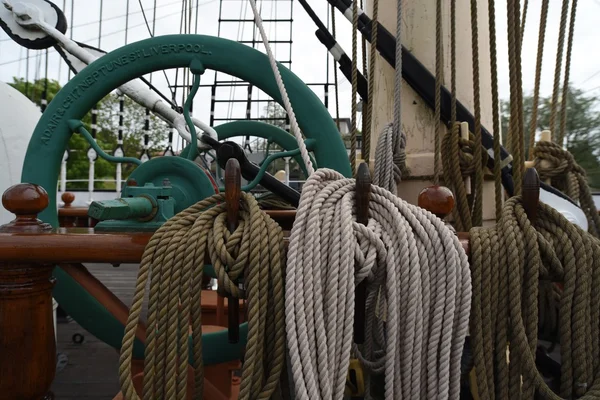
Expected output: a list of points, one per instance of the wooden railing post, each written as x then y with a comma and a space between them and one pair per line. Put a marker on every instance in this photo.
27, 342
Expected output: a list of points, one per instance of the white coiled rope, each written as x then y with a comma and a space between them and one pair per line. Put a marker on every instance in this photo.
418, 273
418, 281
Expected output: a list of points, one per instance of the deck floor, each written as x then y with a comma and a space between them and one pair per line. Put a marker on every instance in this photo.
91, 369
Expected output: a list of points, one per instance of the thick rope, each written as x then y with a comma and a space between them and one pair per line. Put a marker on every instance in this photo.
508, 264
458, 156
390, 153
419, 282
565, 93
524, 19
354, 127
174, 258
286, 101
366, 134
495, 108
538, 77
567, 176
439, 76
477, 218
557, 71
516, 115
335, 73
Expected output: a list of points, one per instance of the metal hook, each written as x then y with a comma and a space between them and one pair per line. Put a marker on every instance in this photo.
233, 188
362, 199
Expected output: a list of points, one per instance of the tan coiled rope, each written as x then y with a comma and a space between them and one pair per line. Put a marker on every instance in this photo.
568, 177
174, 261
508, 261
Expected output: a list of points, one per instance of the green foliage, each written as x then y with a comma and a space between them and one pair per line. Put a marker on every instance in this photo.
582, 133
108, 127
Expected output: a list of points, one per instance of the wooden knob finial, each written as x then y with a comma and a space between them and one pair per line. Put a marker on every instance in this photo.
68, 198
436, 199
26, 201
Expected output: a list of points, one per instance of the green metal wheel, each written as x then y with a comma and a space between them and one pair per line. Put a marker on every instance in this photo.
71, 104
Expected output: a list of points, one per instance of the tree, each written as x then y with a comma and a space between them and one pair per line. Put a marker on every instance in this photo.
275, 114
108, 127
582, 132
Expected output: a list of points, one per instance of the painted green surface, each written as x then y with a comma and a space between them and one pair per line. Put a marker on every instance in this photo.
52, 134
262, 130
124, 208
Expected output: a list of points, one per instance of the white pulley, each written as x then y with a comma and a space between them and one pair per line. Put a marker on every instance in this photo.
30, 36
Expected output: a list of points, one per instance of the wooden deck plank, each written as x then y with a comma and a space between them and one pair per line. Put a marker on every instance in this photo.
91, 372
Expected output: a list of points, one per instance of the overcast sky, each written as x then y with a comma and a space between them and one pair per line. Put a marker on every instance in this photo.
309, 57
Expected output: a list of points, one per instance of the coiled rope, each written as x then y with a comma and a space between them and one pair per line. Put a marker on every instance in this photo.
174, 261
417, 272
567, 176
507, 263
390, 152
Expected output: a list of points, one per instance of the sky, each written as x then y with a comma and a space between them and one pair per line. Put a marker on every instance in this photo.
309, 57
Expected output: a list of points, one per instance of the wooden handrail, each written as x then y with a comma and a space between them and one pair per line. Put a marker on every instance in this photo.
81, 245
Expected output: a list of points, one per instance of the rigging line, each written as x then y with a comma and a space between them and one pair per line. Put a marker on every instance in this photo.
105, 19
196, 26
591, 76
177, 69
100, 24
151, 32
70, 32
64, 7
27, 76
108, 34
126, 21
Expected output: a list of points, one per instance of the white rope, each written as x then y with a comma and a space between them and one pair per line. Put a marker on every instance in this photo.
390, 156
284, 96
419, 282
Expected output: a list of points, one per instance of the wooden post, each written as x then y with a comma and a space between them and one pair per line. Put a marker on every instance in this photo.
27, 344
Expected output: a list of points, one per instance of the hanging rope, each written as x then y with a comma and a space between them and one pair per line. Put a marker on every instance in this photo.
523, 19
439, 76
174, 259
516, 110
557, 71
450, 146
538, 76
286, 101
390, 152
366, 134
335, 73
565, 93
495, 108
354, 127
477, 217
415, 264
507, 263
458, 156
568, 177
